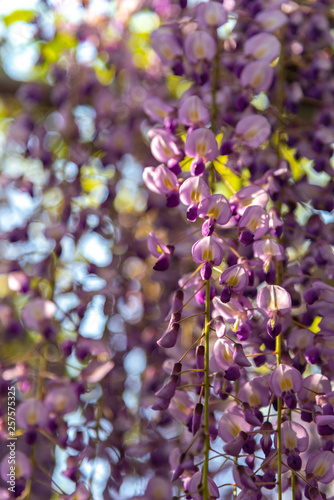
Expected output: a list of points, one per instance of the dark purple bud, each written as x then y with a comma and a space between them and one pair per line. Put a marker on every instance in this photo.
273, 332
325, 430
246, 237
234, 447
327, 409
192, 213
269, 477
232, 373
249, 446
197, 417
208, 227
290, 400
226, 148
315, 494
206, 271
294, 461
168, 390
312, 355
200, 361
197, 167
251, 418
225, 294
177, 473
250, 461
259, 360
306, 416
183, 3
239, 356
169, 338
328, 446
31, 436
243, 332
161, 404
266, 441
162, 263
177, 302
174, 166
67, 347
178, 68
241, 103
173, 199
311, 296
177, 368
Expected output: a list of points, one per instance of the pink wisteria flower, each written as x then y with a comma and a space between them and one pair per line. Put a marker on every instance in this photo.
209, 252
199, 46
285, 381
31, 413
192, 192
201, 145
211, 14
264, 46
157, 109
271, 19
215, 209
162, 180
253, 130
37, 312
254, 223
234, 279
158, 249
257, 75
192, 111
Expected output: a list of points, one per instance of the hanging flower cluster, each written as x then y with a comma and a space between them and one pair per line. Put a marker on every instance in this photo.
194, 357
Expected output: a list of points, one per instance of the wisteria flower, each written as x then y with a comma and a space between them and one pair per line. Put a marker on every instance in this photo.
191, 193
164, 145
264, 46
192, 111
211, 15
201, 144
199, 46
215, 209
255, 223
162, 180
61, 400
286, 381
234, 279
320, 465
271, 20
166, 46
257, 75
158, 249
195, 484
31, 413
37, 312
253, 130
157, 109
209, 252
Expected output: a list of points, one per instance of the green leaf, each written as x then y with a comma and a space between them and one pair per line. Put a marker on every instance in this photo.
231, 181
297, 166
19, 15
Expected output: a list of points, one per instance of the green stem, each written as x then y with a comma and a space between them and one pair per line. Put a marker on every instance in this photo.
206, 394
279, 424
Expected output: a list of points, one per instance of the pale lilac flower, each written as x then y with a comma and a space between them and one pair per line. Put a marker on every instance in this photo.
158, 487
312, 385
201, 143
162, 180
294, 437
215, 207
232, 312
255, 393
257, 75
192, 192
236, 277
271, 20
285, 379
232, 423
158, 249
264, 46
253, 130
164, 145
31, 413
36, 312
226, 355
274, 299
321, 466
195, 484
61, 400
300, 339
157, 109
211, 15
23, 468
193, 112
165, 44
248, 196
207, 250
256, 221
267, 250
199, 46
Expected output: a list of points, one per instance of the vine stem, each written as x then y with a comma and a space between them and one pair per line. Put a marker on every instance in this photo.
206, 394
